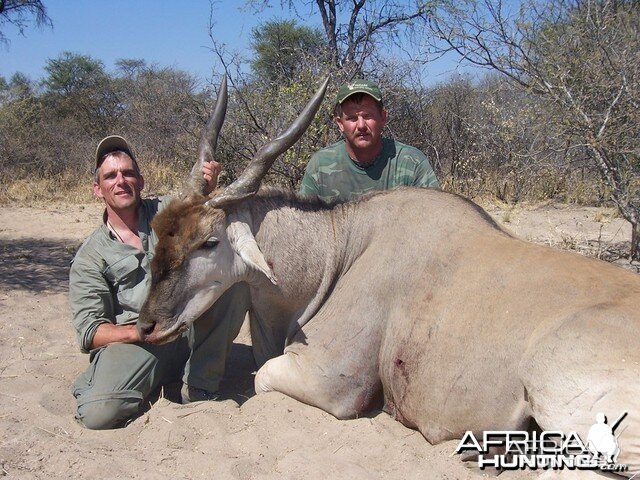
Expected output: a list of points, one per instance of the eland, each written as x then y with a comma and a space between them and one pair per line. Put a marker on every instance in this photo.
411, 299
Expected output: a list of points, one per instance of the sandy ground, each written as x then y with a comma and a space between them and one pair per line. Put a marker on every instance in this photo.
247, 436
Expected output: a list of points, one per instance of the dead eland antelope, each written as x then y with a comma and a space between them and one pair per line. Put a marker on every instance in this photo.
410, 297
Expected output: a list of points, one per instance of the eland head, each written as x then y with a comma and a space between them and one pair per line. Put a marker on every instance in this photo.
205, 244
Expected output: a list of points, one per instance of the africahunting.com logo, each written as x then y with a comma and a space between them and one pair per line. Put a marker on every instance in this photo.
549, 450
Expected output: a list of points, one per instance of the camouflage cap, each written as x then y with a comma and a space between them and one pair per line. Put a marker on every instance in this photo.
110, 144
358, 86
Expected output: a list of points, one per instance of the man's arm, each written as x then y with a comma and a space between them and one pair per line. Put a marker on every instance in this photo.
424, 174
92, 309
309, 186
107, 333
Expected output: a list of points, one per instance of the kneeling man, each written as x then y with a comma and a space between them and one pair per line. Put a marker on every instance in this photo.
108, 284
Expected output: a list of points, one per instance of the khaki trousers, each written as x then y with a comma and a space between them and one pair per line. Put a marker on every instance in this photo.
120, 375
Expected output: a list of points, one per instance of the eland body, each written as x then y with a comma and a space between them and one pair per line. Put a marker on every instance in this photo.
413, 299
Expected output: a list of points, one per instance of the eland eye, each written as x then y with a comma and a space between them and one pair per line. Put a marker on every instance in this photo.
210, 243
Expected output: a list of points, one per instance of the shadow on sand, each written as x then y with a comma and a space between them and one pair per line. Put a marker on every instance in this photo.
39, 265
236, 385
36, 264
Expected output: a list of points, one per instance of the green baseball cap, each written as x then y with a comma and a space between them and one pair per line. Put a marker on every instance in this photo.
358, 86
110, 144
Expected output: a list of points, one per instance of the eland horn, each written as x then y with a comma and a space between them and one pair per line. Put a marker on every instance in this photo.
249, 181
196, 182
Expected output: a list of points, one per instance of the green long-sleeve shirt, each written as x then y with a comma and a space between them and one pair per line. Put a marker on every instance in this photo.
109, 280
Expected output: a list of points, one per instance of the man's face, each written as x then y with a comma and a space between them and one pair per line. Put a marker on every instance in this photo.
119, 183
362, 123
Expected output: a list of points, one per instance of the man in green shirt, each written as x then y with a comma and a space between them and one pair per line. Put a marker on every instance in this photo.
108, 284
363, 161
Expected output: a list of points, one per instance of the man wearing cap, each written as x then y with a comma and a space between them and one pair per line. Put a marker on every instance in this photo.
363, 161
108, 283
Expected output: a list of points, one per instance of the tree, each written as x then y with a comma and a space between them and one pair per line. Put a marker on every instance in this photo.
583, 58
359, 40
18, 86
50, 128
451, 109
78, 88
20, 13
72, 72
281, 48
130, 67
368, 25
161, 111
21, 115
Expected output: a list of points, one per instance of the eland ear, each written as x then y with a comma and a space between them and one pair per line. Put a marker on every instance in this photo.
244, 244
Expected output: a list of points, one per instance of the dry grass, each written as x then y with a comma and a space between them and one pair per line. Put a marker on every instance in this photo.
68, 187
161, 178
510, 213
76, 188
573, 188
606, 215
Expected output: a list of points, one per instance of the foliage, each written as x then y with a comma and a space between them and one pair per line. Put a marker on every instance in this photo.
162, 111
53, 130
581, 58
484, 139
490, 137
71, 72
357, 31
20, 13
279, 47
77, 88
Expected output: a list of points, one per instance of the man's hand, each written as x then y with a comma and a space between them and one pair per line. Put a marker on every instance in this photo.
107, 333
210, 172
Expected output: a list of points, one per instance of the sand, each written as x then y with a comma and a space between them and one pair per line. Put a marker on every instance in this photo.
265, 437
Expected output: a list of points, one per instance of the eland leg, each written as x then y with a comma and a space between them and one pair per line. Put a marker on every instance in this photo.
330, 365
586, 365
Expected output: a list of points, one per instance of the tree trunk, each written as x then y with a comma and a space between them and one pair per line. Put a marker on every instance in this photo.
630, 211
634, 253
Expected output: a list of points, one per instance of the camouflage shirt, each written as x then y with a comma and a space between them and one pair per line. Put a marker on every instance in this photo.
333, 176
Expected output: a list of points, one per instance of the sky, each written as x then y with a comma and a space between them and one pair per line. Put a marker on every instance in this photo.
162, 32
167, 33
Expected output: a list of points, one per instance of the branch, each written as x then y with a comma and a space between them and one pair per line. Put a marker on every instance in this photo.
352, 42
329, 23
607, 116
